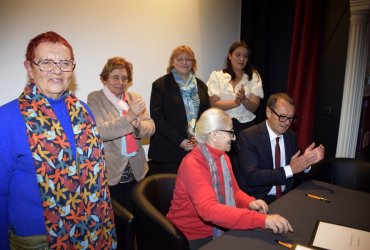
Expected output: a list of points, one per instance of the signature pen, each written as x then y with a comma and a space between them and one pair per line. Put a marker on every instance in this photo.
285, 244
318, 198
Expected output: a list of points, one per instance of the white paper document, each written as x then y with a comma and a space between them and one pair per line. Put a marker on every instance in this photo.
333, 236
302, 247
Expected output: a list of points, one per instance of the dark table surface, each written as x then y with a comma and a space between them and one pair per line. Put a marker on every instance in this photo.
347, 207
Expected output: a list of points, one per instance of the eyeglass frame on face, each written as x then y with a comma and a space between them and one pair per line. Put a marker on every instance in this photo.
283, 118
231, 132
123, 78
186, 60
58, 63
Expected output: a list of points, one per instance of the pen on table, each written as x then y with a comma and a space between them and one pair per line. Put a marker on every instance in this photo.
285, 244
318, 197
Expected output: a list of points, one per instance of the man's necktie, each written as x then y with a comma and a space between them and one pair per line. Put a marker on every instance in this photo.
277, 166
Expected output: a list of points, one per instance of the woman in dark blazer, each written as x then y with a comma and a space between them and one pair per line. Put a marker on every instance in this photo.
177, 100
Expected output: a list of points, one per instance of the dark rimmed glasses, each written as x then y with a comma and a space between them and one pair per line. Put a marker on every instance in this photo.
48, 65
283, 118
231, 132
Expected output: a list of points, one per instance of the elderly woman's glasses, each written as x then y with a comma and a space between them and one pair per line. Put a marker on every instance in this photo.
283, 118
48, 65
231, 132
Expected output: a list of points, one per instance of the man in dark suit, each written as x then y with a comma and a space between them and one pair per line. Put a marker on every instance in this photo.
261, 175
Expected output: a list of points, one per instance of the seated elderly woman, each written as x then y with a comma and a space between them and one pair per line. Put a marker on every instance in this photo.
207, 199
122, 121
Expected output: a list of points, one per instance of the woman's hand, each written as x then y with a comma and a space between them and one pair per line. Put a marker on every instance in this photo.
277, 224
187, 145
135, 109
136, 122
239, 96
251, 102
259, 206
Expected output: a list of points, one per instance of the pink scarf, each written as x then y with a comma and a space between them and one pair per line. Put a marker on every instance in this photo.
128, 140
129, 144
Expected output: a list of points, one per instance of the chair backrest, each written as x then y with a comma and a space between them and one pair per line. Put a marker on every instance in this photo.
152, 199
125, 230
345, 172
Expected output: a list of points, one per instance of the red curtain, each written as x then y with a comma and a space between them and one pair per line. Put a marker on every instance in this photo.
303, 66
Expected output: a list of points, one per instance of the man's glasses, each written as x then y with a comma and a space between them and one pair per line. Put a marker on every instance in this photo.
283, 118
231, 132
48, 65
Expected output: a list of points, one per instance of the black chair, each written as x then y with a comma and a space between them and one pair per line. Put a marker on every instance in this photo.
152, 199
124, 221
345, 172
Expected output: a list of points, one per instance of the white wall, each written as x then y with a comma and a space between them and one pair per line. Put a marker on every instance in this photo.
142, 31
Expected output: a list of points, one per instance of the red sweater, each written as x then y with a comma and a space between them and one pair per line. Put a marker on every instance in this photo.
194, 207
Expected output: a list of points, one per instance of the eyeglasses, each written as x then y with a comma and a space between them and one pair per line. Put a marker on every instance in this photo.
48, 65
123, 78
283, 118
186, 60
231, 132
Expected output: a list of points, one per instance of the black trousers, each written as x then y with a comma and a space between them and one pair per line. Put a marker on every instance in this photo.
158, 168
122, 193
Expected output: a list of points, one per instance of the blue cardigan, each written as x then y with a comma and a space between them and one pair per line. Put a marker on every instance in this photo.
20, 201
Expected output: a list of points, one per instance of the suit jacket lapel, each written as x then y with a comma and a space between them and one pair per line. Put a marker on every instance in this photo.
265, 138
289, 148
174, 90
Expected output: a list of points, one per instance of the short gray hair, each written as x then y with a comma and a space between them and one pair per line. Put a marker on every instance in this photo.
212, 119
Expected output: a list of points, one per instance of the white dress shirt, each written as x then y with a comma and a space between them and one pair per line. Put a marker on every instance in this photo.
287, 169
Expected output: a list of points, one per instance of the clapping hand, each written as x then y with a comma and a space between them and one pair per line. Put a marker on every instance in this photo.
311, 156
240, 95
136, 108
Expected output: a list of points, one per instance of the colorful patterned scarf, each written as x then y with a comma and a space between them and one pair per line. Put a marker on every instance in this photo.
74, 192
229, 192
